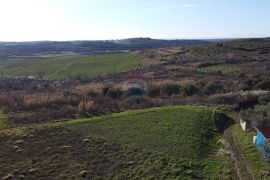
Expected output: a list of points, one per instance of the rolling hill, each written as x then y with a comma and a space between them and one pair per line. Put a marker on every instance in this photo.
9, 49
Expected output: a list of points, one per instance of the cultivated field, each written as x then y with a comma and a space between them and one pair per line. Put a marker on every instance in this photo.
70, 66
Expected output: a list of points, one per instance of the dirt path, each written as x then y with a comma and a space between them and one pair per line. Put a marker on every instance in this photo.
242, 169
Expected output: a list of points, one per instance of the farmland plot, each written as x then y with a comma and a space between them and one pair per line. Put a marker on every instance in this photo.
71, 66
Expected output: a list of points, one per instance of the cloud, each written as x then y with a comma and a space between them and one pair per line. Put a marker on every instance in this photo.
188, 5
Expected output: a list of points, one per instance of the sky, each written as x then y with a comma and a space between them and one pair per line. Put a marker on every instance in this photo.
34, 20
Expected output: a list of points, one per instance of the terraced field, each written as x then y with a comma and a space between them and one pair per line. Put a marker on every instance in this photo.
63, 67
159, 143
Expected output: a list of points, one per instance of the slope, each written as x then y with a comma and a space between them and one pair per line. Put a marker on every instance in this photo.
159, 143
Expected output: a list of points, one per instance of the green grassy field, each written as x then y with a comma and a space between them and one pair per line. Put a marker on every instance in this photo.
185, 134
225, 69
159, 143
3, 123
62, 67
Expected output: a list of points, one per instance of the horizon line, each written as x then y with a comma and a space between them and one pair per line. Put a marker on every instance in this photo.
168, 39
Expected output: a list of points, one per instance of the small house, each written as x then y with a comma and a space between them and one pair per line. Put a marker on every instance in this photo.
262, 140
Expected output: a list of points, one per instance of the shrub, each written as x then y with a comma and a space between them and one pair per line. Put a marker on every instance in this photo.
246, 85
219, 45
91, 94
153, 91
85, 106
263, 84
115, 93
259, 115
212, 88
105, 90
242, 75
134, 92
221, 120
170, 89
255, 82
190, 90
264, 99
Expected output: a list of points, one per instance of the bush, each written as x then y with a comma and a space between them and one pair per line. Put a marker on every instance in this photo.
255, 82
170, 89
91, 94
219, 45
213, 88
134, 92
221, 120
153, 91
115, 93
247, 85
242, 75
190, 90
258, 116
264, 99
105, 90
263, 84
85, 107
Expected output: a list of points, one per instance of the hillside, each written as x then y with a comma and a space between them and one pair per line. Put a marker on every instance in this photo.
70, 66
133, 115
9, 49
223, 59
167, 142
215, 61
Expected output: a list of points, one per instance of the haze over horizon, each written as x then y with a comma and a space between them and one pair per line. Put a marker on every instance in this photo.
63, 20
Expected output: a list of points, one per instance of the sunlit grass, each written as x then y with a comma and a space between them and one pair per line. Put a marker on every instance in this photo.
224, 69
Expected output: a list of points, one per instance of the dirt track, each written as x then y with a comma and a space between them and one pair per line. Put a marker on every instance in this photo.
242, 169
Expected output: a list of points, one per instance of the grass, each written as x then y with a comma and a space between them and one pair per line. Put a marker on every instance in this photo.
243, 139
3, 123
174, 130
252, 156
158, 143
217, 167
225, 69
184, 133
63, 67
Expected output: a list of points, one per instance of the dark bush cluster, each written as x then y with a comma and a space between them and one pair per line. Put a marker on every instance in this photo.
153, 91
199, 88
213, 88
170, 89
255, 83
258, 116
115, 93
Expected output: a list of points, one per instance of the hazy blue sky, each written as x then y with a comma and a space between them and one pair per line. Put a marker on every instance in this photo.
22, 20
